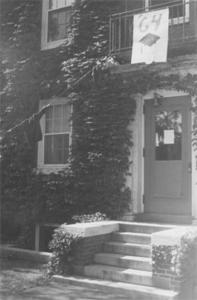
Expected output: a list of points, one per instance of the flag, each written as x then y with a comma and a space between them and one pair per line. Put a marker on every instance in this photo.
150, 37
30, 128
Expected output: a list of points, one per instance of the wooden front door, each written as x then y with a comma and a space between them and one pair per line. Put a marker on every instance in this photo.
168, 156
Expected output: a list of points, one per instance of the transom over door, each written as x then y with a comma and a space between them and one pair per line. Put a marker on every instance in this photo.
167, 157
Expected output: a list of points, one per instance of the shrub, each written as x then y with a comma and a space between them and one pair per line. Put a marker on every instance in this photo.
180, 262
165, 257
187, 265
89, 218
62, 246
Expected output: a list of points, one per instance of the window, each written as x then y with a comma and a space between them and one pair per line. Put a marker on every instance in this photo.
53, 150
178, 9
57, 135
56, 19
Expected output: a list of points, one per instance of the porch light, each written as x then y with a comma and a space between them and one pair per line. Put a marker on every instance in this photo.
157, 99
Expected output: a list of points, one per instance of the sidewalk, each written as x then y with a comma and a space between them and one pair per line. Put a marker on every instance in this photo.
24, 280
56, 291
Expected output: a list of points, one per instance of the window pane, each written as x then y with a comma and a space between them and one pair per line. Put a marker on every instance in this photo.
58, 24
48, 118
176, 7
66, 113
54, 4
56, 149
134, 4
61, 17
168, 135
53, 26
58, 119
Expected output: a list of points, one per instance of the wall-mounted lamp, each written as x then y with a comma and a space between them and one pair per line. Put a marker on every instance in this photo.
157, 99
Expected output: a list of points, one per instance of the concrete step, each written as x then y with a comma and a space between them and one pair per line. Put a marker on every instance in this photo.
118, 274
132, 237
124, 261
127, 249
142, 227
126, 291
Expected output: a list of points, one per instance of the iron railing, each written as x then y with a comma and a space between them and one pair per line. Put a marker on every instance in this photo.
181, 27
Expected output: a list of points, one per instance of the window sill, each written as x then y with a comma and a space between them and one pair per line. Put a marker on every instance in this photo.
55, 44
47, 169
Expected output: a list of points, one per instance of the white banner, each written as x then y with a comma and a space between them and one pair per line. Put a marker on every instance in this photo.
150, 37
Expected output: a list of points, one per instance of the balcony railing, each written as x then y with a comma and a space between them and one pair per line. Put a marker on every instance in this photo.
182, 25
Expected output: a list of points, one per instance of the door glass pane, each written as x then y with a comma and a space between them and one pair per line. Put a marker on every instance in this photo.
168, 135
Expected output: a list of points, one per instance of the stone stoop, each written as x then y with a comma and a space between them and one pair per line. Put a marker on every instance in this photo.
126, 259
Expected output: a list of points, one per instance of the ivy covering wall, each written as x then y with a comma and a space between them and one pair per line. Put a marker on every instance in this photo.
104, 106
94, 178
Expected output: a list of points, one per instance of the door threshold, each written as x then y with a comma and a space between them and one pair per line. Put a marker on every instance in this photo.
163, 218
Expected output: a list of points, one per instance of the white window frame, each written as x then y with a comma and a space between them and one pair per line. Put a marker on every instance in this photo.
45, 44
174, 21
41, 166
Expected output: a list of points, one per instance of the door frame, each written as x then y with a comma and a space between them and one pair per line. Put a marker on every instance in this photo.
182, 103
137, 169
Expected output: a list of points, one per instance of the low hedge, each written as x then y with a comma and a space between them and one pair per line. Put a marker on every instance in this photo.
180, 263
63, 243
61, 246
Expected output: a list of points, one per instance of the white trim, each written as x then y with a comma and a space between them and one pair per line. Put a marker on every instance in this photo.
41, 166
194, 172
136, 156
57, 133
